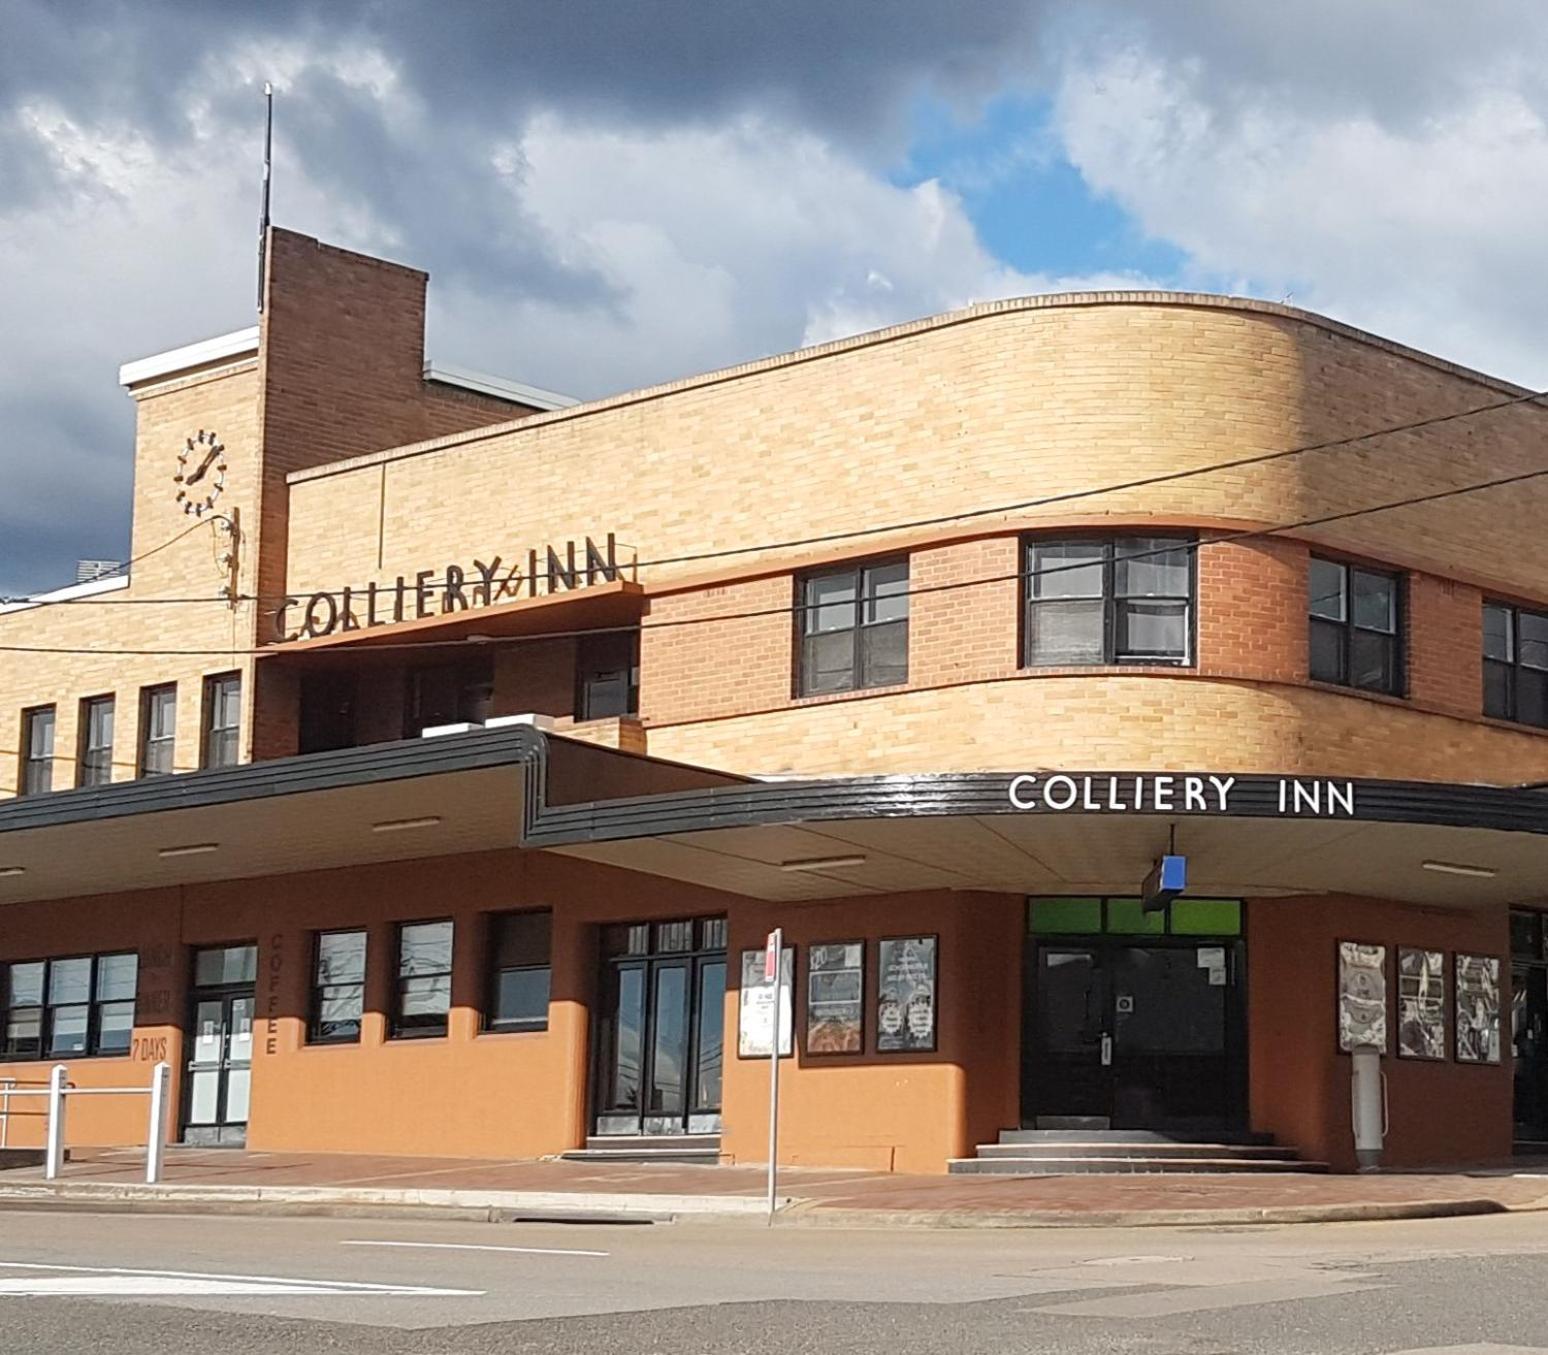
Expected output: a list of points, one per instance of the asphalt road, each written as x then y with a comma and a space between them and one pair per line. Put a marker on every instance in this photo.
151, 1283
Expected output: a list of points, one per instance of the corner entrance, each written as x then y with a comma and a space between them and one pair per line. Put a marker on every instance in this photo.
658, 1037
1136, 1021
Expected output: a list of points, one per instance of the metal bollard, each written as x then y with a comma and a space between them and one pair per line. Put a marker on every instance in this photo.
53, 1157
1368, 1106
156, 1136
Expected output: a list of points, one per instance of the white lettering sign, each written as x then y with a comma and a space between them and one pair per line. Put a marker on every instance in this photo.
1166, 793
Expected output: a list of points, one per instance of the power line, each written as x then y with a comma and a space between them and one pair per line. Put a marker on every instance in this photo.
33, 602
1245, 534
1069, 496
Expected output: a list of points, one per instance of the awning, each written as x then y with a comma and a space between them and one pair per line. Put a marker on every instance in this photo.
1432, 843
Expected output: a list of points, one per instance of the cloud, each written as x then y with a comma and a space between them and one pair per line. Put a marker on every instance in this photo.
1395, 183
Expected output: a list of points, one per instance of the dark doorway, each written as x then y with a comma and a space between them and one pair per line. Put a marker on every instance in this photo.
658, 1040
1131, 1033
328, 698
220, 1044
1529, 1027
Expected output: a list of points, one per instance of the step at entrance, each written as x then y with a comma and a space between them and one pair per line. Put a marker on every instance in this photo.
1065, 1152
701, 1149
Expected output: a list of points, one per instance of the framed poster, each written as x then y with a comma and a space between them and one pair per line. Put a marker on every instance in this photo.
755, 1010
1421, 1031
905, 995
1478, 1009
835, 997
1362, 996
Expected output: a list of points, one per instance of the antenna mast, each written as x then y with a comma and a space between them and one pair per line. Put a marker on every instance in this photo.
263, 215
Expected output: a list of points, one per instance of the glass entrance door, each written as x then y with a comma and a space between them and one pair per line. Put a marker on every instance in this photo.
658, 1043
1133, 1035
215, 1105
1529, 1038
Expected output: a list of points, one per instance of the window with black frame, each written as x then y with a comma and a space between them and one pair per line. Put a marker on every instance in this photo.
338, 988
1108, 600
222, 720
1515, 664
95, 763
520, 956
1356, 626
158, 728
37, 750
607, 669
75, 1006
423, 997
853, 628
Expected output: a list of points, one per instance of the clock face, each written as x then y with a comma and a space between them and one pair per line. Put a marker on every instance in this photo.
201, 473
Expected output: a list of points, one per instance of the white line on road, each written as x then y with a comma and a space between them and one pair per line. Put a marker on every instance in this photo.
289, 1284
475, 1246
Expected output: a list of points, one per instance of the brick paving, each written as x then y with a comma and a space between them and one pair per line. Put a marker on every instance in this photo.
825, 1189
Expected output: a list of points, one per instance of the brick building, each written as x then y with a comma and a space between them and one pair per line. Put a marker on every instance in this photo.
434, 772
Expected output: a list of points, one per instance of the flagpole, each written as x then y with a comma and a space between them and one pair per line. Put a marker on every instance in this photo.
263, 214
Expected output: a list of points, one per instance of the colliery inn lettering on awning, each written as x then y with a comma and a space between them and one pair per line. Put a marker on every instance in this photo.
452, 589
1178, 793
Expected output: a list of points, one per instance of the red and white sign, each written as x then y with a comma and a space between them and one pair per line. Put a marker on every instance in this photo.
771, 954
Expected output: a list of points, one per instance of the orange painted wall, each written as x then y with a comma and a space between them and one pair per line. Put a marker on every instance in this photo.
1300, 1085
889, 1112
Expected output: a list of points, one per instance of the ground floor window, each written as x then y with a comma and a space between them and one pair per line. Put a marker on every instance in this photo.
80, 1005
520, 956
423, 997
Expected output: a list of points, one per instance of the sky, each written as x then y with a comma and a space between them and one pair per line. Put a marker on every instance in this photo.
609, 193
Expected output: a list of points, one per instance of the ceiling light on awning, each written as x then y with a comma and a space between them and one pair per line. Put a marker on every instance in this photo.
823, 863
7, 871
192, 849
1452, 868
403, 825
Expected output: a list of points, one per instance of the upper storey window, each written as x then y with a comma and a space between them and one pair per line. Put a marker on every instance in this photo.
1109, 600
1356, 627
1515, 664
853, 626
37, 750
222, 720
95, 764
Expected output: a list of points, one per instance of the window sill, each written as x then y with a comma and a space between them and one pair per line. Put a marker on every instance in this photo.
1364, 693
506, 1032
413, 1037
848, 694
63, 1058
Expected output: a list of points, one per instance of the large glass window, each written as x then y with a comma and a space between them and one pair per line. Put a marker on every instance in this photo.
607, 668
338, 988
424, 979
1356, 626
520, 951
1515, 664
854, 628
222, 719
158, 728
448, 694
37, 750
1109, 600
95, 766
80, 1005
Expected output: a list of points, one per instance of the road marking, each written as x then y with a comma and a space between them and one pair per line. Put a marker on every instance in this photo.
122, 1281
475, 1246
1133, 1260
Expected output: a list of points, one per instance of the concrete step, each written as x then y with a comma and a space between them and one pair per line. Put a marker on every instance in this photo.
22, 1157
701, 1149
1105, 1148
1091, 1166
1089, 1135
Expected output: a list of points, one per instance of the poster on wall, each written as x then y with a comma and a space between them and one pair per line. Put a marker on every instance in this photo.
1421, 1004
1478, 1009
755, 1011
835, 998
905, 995
1362, 996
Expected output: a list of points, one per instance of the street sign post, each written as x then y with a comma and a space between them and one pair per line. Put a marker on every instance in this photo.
771, 974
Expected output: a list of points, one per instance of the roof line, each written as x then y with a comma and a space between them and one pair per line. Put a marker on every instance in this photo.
238, 343
907, 329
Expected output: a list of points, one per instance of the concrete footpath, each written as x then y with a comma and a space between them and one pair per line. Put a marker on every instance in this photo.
349, 1185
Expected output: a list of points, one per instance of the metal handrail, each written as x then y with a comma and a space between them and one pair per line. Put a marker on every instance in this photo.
59, 1088
9, 1087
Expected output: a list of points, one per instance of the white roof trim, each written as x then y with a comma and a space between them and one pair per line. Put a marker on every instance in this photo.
497, 386
238, 343
107, 584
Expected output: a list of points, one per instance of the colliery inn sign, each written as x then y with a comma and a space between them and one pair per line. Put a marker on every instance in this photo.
1183, 793
455, 588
